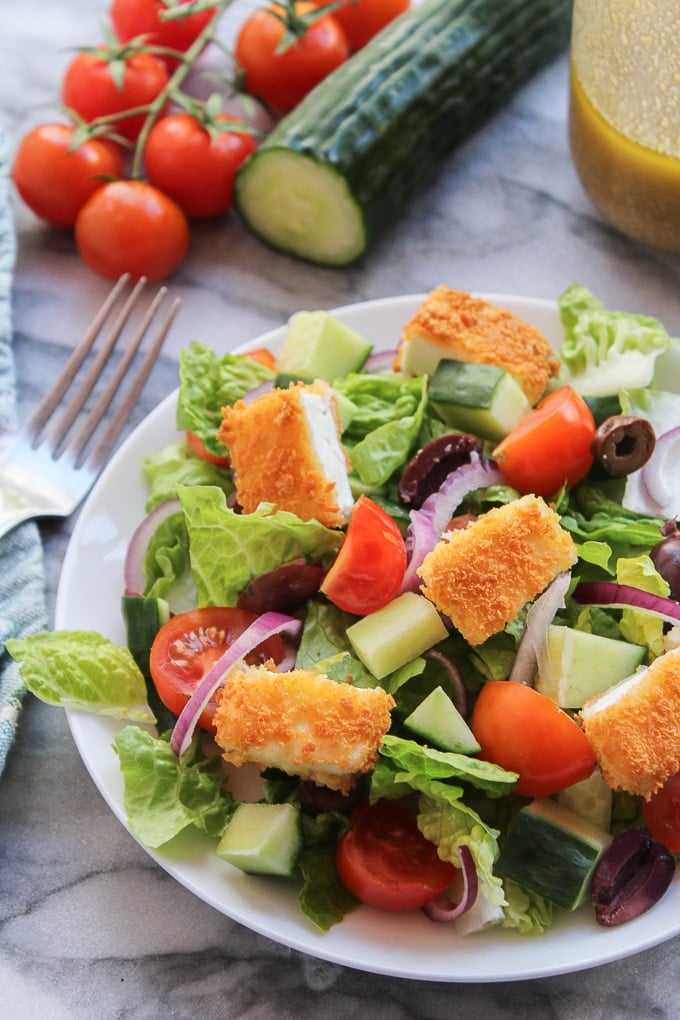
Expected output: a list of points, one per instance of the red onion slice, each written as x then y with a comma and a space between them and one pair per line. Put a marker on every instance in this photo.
624, 596
540, 616
133, 571
264, 627
443, 908
380, 361
459, 694
662, 468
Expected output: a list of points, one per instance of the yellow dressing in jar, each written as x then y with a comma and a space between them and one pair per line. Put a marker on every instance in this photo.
624, 121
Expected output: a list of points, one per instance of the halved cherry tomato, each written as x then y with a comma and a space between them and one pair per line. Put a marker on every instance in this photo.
262, 355
362, 19
131, 18
662, 814
282, 78
368, 571
196, 446
386, 862
55, 182
523, 731
549, 446
132, 227
187, 646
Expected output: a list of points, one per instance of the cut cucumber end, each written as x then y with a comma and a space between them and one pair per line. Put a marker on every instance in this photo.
321, 346
263, 839
301, 206
437, 721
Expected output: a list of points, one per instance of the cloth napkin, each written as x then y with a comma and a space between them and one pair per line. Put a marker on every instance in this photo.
23, 608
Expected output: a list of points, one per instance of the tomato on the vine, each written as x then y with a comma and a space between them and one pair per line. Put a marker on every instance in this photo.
369, 568
104, 82
549, 446
662, 814
131, 18
283, 79
362, 19
523, 731
190, 643
132, 227
196, 165
386, 862
55, 182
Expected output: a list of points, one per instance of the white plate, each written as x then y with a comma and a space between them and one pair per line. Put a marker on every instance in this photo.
405, 945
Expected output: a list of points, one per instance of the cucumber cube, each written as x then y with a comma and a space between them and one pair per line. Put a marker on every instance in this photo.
578, 665
553, 852
400, 631
263, 839
437, 721
477, 398
318, 345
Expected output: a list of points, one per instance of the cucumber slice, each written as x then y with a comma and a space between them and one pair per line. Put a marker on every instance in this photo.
482, 399
320, 346
400, 631
302, 206
590, 799
437, 721
578, 665
552, 851
263, 839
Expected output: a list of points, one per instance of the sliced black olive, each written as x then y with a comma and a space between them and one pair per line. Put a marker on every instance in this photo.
282, 590
631, 876
426, 471
622, 444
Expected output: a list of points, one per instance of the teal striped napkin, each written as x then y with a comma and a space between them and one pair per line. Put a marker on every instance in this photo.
22, 580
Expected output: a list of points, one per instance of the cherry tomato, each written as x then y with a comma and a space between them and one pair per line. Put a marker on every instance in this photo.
90, 88
362, 19
662, 814
187, 646
132, 227
131, 18
549, 446
197, 446
386, 862
368, 571
525, 732
195, 167
281, 80
56, 183
262, 355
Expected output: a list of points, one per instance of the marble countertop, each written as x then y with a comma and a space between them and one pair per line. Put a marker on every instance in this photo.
90, 927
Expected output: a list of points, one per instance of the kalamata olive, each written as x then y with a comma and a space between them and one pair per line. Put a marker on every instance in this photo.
318, 799
282, 590
666, 557
631, 876
426, 471
622, 444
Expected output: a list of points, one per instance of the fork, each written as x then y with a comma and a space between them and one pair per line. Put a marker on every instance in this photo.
44, 471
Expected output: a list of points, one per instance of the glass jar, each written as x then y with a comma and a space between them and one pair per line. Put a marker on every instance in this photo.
624, 118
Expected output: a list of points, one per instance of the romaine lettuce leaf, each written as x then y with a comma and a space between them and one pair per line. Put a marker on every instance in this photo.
176, 465
323, 898
606, 351
418, 764
638, 627
227, 550
82, 669
525, 911
207, 384
167, 569
163, 794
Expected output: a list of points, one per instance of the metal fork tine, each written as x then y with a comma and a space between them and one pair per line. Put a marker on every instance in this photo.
46, 408
120, 418
78, 444
75, 406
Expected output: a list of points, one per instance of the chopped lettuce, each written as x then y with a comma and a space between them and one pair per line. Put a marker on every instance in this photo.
176, 465
606, 351
323, 898
227, 550
207, 384
416, 763
638, 627
82, 669
167, 569
526, 911
163, 794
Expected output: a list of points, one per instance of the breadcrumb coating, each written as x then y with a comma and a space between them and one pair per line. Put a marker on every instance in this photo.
634, 727
301, 722
273, 457
467, 328
481, 576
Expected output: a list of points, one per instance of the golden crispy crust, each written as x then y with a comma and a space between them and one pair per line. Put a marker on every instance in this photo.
482, 575
637, 738
273, 459
301, 722
468, 328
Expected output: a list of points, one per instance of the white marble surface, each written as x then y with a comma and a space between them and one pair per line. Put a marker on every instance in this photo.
89, 927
